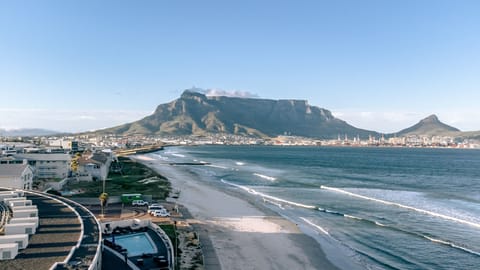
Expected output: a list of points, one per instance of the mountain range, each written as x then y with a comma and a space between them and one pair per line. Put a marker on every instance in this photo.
197, 114
22, 132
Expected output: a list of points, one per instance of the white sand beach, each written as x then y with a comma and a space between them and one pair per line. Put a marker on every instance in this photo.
243, 235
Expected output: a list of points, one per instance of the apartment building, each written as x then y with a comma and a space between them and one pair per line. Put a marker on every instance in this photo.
48, 166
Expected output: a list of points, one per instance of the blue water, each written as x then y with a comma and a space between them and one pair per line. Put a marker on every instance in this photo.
136, 244
393, 208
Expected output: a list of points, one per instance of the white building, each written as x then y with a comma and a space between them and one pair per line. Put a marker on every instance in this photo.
16, 176
95, 165
48, 166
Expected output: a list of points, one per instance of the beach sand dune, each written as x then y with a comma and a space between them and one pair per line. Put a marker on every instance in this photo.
243, 236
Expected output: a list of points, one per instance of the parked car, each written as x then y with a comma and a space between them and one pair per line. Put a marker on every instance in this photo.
156, 205
139, 203
151, 209
160, 213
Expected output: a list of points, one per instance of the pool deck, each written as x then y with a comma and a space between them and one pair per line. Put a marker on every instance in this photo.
112, 261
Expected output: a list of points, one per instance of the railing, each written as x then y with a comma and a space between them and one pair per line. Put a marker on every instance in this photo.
96, 259
168, 243
5, 214
94, 264
72, 250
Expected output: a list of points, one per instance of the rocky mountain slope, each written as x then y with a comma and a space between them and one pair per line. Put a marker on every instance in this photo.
430, 126
195, 113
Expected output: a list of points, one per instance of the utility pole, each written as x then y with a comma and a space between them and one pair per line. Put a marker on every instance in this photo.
176, 247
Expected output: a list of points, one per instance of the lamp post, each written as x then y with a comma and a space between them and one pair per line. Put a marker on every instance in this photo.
103, 191
176, 247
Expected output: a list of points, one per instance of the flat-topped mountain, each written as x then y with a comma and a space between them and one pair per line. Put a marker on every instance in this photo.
198, 114
430, 126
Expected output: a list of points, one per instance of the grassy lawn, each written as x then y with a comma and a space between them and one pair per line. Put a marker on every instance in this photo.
135, 178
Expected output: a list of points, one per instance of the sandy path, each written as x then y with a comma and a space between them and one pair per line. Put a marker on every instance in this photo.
243, 236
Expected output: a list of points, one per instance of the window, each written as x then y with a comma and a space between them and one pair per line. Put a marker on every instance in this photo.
28, 231
7, 255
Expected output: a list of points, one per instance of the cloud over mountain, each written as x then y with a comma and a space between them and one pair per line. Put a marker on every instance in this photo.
216, 92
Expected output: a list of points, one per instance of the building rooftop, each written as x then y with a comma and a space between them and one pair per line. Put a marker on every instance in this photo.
12, 169
56, 157
68, 237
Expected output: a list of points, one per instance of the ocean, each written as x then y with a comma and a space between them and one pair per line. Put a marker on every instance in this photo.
388, 208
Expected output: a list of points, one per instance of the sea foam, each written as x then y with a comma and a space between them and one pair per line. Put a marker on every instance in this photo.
423, 211
270, 178
265, 196
315, 225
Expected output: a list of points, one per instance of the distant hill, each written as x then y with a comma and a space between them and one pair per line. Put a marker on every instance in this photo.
430, 126
195, 113
27, 132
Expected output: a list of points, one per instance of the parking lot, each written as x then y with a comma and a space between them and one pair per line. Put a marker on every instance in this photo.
119, 211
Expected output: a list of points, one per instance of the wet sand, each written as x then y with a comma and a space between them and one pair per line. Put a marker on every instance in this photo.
244, 235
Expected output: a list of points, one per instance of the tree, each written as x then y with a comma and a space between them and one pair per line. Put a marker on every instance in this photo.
103, 201
74, 162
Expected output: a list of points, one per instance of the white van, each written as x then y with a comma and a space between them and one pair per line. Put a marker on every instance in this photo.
155, 206
160, 213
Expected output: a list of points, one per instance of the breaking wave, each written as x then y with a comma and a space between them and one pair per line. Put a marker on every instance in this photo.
270, 178
315, 225
265, 196
423, 211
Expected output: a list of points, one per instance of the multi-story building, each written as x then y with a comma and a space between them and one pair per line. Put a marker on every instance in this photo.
48, 166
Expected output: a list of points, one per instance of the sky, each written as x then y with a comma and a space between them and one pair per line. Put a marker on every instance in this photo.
380, 65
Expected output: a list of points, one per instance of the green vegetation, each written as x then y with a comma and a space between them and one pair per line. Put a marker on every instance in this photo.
74, 162
169, 229
103, 198
133, 177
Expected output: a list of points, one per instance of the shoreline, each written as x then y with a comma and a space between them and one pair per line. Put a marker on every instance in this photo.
244, 233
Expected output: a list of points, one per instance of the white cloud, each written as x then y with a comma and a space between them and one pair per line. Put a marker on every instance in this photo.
379, 121
86, 117
66, 120
214, 92
394, 121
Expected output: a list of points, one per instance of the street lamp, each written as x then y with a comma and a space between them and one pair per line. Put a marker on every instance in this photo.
176, 247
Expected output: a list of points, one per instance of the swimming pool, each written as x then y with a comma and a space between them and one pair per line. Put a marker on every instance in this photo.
136, 244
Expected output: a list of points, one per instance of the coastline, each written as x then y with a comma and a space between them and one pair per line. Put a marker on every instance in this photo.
244, 233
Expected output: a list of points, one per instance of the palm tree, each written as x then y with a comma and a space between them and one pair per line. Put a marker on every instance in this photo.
103, 201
